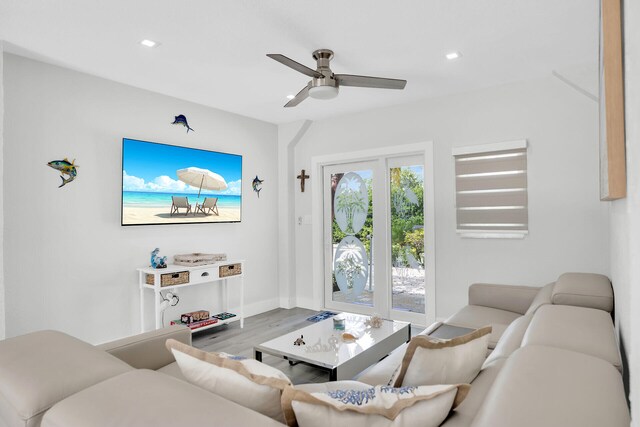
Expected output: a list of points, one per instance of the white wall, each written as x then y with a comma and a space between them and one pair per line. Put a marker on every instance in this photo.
2, 315
288, 137
625, 217
568, 223
69, 264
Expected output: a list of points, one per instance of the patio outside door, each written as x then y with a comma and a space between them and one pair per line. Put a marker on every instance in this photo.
374, 256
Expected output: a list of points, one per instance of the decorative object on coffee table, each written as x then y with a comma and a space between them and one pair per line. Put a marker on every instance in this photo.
156, 261
299, 341
375, 321
302, 177
348, 337
338, 323
319, 347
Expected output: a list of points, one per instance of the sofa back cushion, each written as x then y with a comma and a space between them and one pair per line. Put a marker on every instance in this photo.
42, 368
543, 297
148, 350
510, 341
585, 330
584, 290
516, 299
545, 386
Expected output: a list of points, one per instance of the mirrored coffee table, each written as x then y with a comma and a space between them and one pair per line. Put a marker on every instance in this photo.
324, 347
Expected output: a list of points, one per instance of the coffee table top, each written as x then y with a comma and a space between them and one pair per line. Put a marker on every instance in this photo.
318, 334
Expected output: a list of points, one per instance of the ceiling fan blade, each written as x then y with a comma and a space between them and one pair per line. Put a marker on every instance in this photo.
366, 81
301, 96
295, 65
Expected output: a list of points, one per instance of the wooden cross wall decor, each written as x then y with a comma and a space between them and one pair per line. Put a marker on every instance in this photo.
302, 177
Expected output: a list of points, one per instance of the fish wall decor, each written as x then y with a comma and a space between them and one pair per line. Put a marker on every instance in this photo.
182, 120
66, 168
257, 185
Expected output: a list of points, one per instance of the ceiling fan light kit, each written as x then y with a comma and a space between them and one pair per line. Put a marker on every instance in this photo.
323, 92
325, 84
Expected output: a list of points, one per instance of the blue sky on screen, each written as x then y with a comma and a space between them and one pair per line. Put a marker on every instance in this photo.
152, 167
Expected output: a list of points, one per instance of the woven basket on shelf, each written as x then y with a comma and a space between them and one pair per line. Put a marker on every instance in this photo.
170, 279
230, 270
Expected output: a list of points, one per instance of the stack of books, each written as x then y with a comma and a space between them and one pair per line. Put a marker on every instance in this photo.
197, 324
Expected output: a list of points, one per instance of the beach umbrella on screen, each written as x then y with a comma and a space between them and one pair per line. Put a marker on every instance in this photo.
202, 178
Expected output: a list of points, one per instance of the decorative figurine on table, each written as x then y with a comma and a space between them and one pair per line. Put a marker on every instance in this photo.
374, 321
156, 261
299, 341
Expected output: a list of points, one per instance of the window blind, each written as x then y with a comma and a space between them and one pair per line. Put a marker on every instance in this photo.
491, 190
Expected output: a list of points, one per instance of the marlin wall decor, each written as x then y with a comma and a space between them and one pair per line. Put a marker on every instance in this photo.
182, 120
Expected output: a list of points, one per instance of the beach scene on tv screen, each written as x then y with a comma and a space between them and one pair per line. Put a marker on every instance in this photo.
164, 184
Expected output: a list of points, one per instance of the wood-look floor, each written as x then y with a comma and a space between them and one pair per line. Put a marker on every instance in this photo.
258, 329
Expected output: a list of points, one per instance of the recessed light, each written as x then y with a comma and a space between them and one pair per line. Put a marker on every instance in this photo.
453, 55
290, 96
148, 43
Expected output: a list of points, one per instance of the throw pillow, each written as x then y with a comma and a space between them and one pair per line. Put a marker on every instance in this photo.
247, 382
430, 360
379, 406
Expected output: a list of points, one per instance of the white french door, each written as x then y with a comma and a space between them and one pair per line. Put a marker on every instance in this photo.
374, 238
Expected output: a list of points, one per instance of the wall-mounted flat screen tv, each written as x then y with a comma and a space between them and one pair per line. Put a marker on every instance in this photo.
167, 184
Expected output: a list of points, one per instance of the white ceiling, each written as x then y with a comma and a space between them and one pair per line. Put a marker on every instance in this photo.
213, 51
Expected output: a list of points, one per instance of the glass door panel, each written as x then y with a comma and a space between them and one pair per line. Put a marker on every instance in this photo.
349, 229
406, 184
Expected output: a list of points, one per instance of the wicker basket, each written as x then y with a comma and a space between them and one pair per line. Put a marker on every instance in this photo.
230, 270
170, 279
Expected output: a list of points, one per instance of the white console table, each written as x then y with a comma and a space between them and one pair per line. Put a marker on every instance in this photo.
200, 275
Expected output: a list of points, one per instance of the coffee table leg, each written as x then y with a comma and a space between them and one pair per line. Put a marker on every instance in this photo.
258, 355
333, 374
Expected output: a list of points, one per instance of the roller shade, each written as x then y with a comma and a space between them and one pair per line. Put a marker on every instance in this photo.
491, 190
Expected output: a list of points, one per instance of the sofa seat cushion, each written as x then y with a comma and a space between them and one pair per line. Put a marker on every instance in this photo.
585, 330
149, 398
546, 386
42, 368
584, 290
476, 316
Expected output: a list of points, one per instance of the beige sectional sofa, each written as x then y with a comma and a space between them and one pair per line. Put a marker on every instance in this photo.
554, 361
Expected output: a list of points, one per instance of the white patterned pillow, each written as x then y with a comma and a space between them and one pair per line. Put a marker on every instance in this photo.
247, 382
379, 406
435, 361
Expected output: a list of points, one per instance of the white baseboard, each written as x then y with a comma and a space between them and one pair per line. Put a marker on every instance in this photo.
307, 303
287, 303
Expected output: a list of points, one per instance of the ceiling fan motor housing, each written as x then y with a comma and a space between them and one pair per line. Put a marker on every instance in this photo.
327, 86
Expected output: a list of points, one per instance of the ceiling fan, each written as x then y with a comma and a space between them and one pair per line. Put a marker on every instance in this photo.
324, 83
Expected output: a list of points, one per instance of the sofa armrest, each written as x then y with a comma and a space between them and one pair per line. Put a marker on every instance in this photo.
147, 350
516, 299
